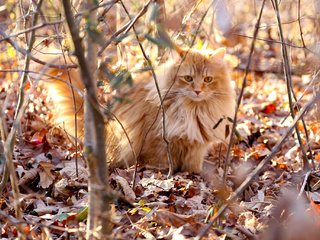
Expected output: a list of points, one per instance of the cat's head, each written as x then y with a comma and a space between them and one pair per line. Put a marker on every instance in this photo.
200, 75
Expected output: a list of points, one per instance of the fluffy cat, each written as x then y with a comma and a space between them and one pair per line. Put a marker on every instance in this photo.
197, 93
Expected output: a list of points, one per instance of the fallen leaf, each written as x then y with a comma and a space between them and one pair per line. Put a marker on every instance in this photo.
46, 177
127, 190
28, 176
164, 185
269, 109
38, 137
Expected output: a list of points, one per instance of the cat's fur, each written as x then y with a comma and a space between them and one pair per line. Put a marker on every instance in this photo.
192, 109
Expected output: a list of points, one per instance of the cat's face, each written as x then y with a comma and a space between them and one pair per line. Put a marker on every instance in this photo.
203, 75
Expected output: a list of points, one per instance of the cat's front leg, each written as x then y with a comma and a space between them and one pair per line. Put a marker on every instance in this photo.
193, 160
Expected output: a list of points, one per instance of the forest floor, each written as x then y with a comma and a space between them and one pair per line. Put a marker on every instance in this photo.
54, 197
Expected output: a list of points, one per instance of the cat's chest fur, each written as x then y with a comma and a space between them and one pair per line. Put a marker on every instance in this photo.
195, 121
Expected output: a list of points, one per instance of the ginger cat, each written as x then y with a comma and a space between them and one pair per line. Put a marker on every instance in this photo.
197, 93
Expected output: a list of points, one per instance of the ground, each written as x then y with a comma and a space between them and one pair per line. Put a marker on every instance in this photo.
281, 202
54, 196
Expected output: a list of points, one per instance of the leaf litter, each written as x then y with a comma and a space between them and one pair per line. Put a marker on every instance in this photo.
169, 208
54, 197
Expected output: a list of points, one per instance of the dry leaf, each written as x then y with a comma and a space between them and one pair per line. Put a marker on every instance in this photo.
28, 176
46, 177
127, 190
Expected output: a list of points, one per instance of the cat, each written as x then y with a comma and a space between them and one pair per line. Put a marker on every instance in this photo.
197, 93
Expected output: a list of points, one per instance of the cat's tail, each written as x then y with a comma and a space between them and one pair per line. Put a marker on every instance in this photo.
65, 90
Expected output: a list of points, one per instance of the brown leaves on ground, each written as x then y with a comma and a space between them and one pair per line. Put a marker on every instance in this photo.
54, 196
281, 203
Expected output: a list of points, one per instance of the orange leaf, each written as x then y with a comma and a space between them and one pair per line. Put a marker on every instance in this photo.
27, 86
38, 137
270, 108
317, 157
27, 229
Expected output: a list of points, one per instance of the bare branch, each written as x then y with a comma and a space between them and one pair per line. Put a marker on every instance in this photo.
299, 22
99, 215
164, 135
244, 83
126, 28
287, 75
26, 53
31, 29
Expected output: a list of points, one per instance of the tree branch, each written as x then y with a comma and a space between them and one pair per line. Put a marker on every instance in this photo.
244, 83
99, 215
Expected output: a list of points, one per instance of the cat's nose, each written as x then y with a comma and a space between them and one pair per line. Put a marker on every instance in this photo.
197, 92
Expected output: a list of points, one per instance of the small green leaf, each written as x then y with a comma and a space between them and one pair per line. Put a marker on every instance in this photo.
153, 13
82, 215
122, 77
61, 217
165, 37
94, 34
158, 41
121, 37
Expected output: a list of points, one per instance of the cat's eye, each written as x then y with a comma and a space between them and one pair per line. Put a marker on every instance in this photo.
188, 78
208, 79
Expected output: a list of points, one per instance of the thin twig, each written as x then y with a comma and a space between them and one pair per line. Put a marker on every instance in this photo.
9, 142
164, 134
287, 75
304, 184
126, 28
310, 84
8, 149
75, 110
268, 40
108, 4
3, 137
128, 139
8, 153
105, 11
99, 210
33, 58
174, 78
303, 122
24, 76
246, 232
244, 83
31, 29
299, 22
50, 77
258, 169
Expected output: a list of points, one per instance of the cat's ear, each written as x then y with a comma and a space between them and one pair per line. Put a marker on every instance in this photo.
218, 53
181, 52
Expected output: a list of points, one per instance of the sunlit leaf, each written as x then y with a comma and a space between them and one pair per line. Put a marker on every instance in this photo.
11, 52
133, 211
269, 109
38, 137
146, 209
